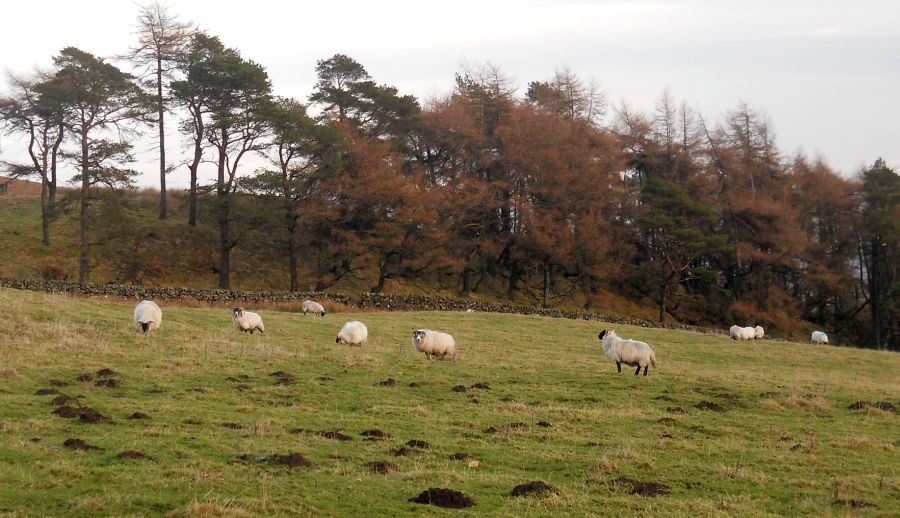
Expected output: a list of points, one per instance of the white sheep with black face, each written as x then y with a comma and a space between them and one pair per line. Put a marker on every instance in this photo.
247, 321
312, 307
630, 352
354, 332
759, 332
434, 344
147, 316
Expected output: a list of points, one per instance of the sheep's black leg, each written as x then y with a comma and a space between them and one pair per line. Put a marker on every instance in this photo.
645, 369
638, 371
618, 367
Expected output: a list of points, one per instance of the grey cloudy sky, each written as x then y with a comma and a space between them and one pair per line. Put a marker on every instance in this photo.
827, 73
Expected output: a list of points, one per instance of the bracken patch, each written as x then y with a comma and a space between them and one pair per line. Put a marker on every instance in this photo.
440, 497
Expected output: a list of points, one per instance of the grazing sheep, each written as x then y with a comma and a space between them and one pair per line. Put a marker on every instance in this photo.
434, 344
741, 333
354, 332
819, 337
247, 321
314, 307
147, 316
759, 332
629, 352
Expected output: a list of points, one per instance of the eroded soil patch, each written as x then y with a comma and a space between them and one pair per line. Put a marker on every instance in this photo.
449, 498
709, 405
78, 444
534, 487
131, 454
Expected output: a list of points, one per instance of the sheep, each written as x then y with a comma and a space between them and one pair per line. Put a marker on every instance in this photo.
434, 344
759, 332
630, 352
314, 307
741, 333
247, 321
819, 337
147, 316
354, 332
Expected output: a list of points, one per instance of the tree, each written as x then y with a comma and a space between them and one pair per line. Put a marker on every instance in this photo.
40, 119
195, 93
239, 104
300, 154
160, 39
881, 236
95, 98
677, 231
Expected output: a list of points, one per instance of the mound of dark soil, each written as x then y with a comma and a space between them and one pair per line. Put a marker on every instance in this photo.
440, 497
232, 379
382, 466
58, 383
89, 415
292, 460
390, 382
668, 421
334, 434
86, 414
232, 426
87, 376
490, 429
108, 383
192, 421
856, 504
279, 374
481, 386
709, 405
78, 444
458, 388
106, 373
674, 410
507, 399
62, 399
199, 390
374, 433
460, 456
46, 392
881, 405
139, 415
285, 380
403, 451
326, 378
535, 487
414, 385
130, 454
666, 398
67, 412
544, 424
417, 443
650, 489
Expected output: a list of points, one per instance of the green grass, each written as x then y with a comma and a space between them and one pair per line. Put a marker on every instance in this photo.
786, 443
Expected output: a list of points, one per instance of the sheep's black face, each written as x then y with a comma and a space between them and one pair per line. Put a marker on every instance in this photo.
602, 334
145, 327
337, 340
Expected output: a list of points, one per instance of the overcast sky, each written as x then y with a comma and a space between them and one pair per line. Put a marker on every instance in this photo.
826, 72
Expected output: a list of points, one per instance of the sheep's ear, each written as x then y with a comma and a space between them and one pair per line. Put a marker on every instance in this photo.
602, 333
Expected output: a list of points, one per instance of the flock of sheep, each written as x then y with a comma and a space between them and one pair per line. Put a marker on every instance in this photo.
435, 344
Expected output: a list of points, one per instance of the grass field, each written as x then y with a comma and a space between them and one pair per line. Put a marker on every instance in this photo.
782, 443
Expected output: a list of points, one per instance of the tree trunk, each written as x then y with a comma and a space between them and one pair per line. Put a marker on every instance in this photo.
163, 206
224, 246
875, 291
292, 251
663, 288
224, 223
45, 211
195, 164
546, 284
83, 259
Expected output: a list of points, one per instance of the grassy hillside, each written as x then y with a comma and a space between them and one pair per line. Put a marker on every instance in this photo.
784, 442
